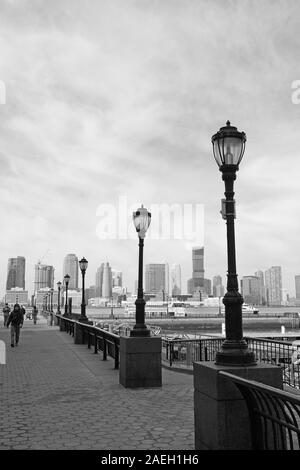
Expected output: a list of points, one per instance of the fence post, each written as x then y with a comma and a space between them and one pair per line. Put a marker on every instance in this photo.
116, 355
104, 349
95, 344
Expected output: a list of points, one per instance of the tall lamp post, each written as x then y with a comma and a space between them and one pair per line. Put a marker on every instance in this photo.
83, 263
228, 148
58, 296
141, 220
66, 279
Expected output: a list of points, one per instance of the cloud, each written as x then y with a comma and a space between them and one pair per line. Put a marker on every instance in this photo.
122, 98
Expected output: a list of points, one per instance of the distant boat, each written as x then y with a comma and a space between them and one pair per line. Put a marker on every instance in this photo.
245, 309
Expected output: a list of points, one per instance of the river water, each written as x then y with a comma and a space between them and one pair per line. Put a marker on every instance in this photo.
203, 320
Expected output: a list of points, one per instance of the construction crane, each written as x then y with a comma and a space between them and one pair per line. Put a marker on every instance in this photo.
41, 259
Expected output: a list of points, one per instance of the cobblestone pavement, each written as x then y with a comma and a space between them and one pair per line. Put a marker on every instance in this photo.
57, 395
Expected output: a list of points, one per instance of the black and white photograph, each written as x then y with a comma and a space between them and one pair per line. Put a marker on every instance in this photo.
150, 226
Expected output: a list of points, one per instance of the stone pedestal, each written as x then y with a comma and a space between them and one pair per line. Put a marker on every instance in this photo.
221, 415
78, 331
140, 362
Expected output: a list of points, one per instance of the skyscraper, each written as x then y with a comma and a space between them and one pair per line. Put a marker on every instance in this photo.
99, 280
167, 276
70, 267
116, 278
273, 282
155, 281
260, 276
176, 279
251, 290
297, 285
196, 283
16, 273
218, 288
107, 281
43, 276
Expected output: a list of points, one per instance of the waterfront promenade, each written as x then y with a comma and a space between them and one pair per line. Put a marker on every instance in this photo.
58, 395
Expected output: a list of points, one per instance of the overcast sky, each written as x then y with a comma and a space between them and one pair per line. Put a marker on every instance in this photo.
120, 98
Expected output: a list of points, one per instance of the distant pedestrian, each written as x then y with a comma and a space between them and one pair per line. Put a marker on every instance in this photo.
24, 312
6, 312
34, 314
16, 319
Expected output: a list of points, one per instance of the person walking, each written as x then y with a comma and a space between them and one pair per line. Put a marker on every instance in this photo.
24, 312
6, 312
15, 319
34, 314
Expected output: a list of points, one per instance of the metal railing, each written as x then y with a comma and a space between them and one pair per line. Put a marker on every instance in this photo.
274, 415
108, 343
181, 353
101, 340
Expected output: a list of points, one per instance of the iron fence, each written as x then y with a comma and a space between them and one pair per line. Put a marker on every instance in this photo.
101, 340
274, 415
181, 353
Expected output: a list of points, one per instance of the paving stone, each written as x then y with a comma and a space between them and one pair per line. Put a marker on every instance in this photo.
59, 395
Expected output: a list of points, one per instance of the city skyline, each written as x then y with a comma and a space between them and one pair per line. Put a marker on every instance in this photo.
114, 277
132, 113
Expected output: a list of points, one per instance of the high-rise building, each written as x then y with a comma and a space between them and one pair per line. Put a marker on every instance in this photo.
260, 276
273, 283
176, 279
70, 267
107, 281
167, 286
16, 273
116, 278
207, 286
43, 276
297, 285
99, 280
251, 290
218, 288
155, 281
196, 283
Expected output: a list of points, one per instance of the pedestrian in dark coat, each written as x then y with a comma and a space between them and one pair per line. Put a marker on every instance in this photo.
15, 319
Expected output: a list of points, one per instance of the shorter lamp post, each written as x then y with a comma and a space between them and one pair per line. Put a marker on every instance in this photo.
66, 279
141, 220
228, 148
58, 296
51, 300
112, 308
83, 263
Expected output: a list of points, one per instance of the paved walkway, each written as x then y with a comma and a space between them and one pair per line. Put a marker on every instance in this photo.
57, 395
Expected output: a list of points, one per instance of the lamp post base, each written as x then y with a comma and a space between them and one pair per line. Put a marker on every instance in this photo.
136, 332
235, 353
